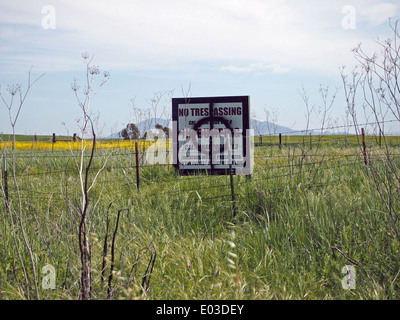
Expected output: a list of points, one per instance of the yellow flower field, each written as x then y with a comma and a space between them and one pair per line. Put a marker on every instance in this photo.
87, 145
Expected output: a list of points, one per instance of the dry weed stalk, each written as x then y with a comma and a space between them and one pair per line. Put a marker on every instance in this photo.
92, 71
15, 91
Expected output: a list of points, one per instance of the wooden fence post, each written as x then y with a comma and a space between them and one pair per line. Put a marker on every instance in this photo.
137, 165
232, 191
280, 141
5, 179
310, 142
364, 147
54, 141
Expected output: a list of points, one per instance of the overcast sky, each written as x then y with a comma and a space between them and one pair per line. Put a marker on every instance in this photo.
268, 50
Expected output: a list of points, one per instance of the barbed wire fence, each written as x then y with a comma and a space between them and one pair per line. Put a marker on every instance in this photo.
299, 156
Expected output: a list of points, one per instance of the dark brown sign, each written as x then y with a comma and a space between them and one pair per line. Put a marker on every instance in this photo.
211, 134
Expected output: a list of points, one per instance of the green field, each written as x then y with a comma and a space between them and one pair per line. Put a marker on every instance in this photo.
26, 138
304, 215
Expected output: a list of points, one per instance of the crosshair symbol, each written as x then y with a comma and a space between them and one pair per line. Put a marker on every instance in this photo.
210, 120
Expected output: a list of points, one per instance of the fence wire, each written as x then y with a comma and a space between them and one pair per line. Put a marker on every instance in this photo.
121, 166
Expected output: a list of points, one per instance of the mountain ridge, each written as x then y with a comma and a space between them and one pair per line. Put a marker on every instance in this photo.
260, 127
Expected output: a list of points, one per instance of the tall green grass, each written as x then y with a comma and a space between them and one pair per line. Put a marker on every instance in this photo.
291, 214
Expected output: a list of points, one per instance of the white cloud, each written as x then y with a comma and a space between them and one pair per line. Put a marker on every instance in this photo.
379, 13
256, 68
189, 39
278, 35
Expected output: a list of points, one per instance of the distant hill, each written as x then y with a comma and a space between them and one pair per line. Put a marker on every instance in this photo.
260, 127
149, 124
265, 128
